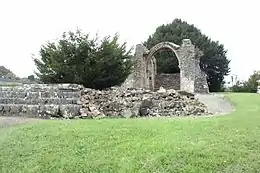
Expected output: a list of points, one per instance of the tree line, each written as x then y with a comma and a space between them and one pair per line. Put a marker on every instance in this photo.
250, 85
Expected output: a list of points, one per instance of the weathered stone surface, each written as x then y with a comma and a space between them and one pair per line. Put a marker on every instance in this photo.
42, 111
43, 87
192, 78
41, 100
40, 94
146, 107
139, 102
34, 101
168, 81
69, 111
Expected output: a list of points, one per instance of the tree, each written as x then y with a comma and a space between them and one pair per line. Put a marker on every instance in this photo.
78, 59
31, 77
239, 87
214, 61
252, 82
248, 86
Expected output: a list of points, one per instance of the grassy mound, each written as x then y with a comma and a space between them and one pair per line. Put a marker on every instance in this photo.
229, 143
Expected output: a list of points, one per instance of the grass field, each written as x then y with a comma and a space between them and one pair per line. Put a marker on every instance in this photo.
228, 143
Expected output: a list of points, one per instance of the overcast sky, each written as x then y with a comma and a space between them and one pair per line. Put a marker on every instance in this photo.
27, 24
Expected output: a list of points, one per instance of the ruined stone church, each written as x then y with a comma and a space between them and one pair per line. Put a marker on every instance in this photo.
191, 78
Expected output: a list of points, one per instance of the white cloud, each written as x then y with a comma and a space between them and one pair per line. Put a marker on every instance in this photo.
26, 25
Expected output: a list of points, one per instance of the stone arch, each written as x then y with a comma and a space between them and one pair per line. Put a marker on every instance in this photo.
164, 45
166, 80
192, 78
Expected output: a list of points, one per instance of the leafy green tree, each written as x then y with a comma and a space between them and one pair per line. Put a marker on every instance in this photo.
31, 77
252, 83
78, 59
248, 86
239, 87
214, 61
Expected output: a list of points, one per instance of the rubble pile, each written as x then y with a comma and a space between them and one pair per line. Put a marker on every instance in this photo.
138, 102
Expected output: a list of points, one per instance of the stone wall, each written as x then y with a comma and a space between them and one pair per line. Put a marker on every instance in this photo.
201, 85
40, 100
73, 101
167, 81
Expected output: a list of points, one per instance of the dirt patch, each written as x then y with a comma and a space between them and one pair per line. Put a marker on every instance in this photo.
11, 121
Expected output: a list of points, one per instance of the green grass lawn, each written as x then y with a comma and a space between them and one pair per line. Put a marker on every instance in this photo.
228, 143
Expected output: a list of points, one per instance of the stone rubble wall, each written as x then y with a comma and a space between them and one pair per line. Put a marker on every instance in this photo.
75, 101
167, 81
139, 102
41, 100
